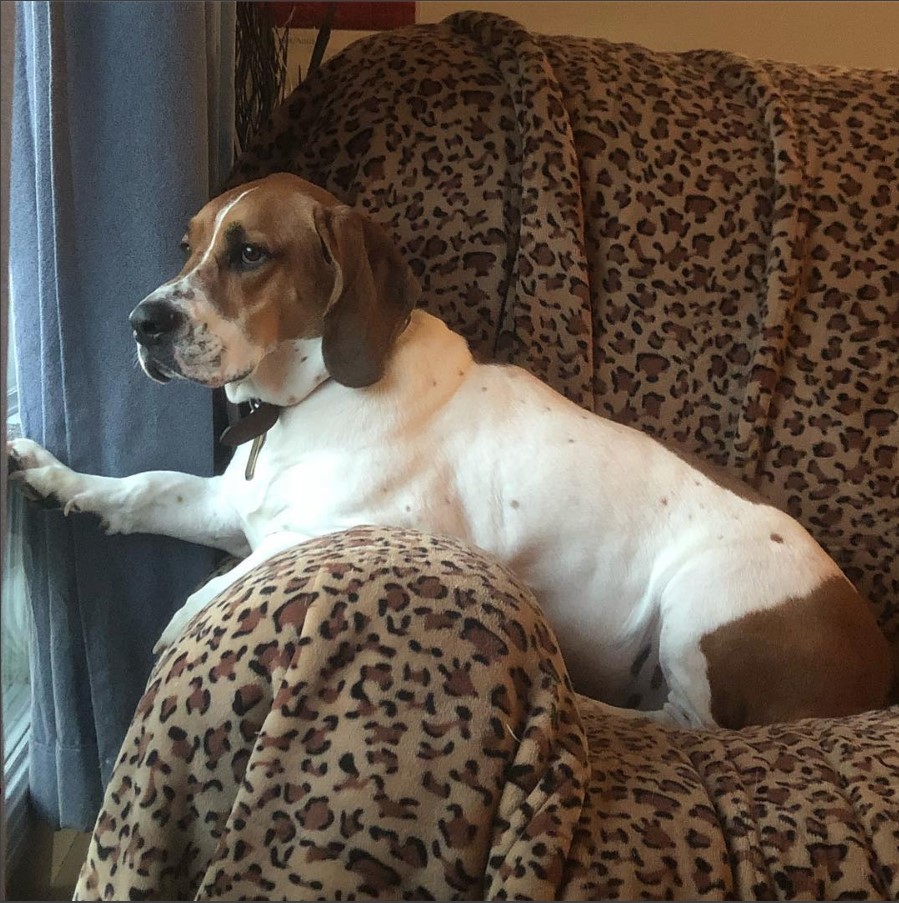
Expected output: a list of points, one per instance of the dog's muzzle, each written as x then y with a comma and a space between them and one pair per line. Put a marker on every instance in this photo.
154, 324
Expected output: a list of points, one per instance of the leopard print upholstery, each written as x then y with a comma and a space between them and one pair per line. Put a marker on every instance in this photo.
381, 714
695, 244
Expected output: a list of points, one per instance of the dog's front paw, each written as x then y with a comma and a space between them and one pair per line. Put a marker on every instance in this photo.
25, 454
49, 484
39, 476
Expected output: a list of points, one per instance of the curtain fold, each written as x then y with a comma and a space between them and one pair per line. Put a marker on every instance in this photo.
122, 128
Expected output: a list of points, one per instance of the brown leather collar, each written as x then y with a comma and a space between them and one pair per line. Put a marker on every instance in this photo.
262, 417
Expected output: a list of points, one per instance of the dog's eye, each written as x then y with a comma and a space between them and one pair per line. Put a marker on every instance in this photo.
185, 246
251, 254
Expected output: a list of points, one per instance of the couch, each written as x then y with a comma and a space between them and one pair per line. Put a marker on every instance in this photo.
695, 244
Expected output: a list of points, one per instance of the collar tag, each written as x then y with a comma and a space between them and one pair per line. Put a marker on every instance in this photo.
258, 442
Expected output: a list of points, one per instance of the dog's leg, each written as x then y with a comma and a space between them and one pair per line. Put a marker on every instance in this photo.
668, 715
164, 502
269, 547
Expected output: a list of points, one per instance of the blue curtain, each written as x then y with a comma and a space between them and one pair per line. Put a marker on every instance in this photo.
122, 128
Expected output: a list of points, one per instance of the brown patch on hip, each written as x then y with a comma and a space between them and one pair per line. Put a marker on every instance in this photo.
821, 655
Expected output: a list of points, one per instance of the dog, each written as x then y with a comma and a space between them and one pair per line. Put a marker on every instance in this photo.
373, 412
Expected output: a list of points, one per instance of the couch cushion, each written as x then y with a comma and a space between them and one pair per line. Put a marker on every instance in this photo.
379, 713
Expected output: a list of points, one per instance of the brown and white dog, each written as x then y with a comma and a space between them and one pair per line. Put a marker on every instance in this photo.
637, 556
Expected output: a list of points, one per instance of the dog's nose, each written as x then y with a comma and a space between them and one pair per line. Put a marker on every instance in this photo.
152, 321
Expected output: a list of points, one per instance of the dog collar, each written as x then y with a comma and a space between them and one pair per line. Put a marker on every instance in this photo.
262, 417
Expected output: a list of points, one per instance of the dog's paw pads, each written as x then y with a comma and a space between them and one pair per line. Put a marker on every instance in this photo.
23, 454
14, 462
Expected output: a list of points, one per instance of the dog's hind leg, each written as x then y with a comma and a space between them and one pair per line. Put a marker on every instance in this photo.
668, 715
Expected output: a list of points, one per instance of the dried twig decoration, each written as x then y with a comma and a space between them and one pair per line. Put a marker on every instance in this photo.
260, 69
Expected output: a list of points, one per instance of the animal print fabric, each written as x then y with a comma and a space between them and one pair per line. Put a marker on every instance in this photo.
380, 714
695, 244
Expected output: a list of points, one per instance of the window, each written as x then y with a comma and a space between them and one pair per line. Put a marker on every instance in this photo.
15, 635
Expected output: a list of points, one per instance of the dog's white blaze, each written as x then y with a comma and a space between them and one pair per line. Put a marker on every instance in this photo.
187, 281
216, 228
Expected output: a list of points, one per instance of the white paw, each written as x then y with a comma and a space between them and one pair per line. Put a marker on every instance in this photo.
39, 476
195, 603
25, 453
207, 593
173, 630
49, 484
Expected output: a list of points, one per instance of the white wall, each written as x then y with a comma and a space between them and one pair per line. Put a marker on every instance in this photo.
805, 31
814, 32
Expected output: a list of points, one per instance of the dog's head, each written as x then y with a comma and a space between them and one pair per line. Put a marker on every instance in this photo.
269, 262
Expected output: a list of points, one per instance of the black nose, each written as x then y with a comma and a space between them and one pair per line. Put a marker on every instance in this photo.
153, 321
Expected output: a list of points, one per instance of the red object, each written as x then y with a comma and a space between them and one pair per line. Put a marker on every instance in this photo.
355, 16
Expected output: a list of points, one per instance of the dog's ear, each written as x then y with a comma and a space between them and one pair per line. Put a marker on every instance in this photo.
373, 294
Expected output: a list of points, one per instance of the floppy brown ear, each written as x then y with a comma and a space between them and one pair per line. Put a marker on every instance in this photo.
374, 293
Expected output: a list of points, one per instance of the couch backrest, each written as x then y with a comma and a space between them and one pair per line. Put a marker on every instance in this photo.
694, 244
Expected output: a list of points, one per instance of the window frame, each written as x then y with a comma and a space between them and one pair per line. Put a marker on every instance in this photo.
16, 720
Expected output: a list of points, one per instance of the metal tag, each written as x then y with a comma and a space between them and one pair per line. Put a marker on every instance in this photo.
258, 442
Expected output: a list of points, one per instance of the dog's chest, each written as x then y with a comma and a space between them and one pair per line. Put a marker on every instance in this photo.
276, 492
298, 487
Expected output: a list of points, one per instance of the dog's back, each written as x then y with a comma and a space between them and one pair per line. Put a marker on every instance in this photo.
629, 545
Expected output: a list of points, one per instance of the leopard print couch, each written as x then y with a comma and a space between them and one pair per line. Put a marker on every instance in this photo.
696, 244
